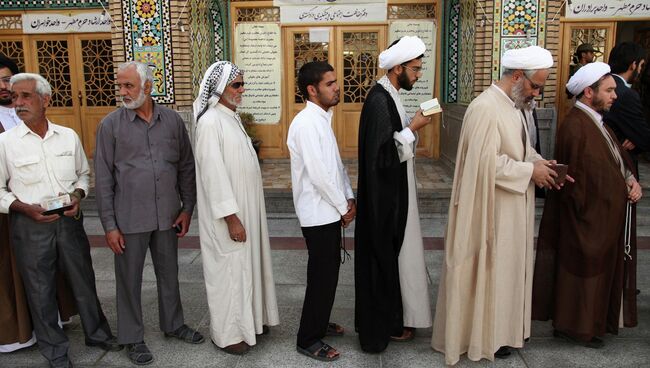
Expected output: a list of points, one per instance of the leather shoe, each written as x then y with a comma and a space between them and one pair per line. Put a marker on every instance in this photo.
139, 353
594, 343
237, 349
107, 345
503, 352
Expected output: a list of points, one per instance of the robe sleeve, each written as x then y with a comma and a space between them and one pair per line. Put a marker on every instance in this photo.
403, 142
512, 175
213, 173
323, 181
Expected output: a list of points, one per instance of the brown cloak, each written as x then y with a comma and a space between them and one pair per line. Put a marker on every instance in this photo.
580, 272
14, 311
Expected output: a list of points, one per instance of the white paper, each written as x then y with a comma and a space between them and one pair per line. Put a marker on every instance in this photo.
258, 53
423, 88
319, 35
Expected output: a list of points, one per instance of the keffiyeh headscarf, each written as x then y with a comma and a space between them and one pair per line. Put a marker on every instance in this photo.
215, 80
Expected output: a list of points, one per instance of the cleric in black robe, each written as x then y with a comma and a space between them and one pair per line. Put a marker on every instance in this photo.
386, 148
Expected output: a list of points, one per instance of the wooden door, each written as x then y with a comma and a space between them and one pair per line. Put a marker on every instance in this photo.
353, 52
602, 35
97, 87
53, 57
79, 68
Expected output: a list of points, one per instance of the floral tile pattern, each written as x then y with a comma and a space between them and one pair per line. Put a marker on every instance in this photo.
147, 38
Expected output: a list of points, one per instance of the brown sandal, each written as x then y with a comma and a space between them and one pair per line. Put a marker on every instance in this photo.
334, 329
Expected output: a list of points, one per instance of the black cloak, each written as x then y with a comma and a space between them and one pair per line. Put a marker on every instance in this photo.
382, 204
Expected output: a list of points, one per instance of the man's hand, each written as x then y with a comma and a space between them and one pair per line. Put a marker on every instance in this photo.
352, 212
543, 176
115, 241
75, 207
183, 220
235, 228
627, 145
634, 190
33, 211
419, 121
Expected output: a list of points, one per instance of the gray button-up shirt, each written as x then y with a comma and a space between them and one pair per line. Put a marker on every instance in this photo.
144, 172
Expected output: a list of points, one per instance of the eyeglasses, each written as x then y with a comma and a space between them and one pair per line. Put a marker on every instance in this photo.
5, 79
416, 70
237, 85
539, 87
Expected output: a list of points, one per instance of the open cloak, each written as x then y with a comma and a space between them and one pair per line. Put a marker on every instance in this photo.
382, 204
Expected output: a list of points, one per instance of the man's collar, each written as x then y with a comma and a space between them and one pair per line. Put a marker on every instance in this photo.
131, 114
23, 129
226, 110
505, 95
314, 107
623, 80
593, 113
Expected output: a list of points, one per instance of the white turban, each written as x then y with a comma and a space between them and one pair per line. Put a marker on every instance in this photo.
586, 76
214, 81
528, 58
406, 49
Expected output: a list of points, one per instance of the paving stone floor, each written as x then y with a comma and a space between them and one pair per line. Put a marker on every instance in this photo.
630, 349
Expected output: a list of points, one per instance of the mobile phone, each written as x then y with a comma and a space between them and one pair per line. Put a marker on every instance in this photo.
177, 228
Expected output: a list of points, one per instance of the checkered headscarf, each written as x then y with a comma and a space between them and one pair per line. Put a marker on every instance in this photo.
215, 80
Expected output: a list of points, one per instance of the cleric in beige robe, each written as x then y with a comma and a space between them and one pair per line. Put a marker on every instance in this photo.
484, 298
235, 247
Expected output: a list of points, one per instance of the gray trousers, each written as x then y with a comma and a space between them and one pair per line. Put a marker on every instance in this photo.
128, 276
40, 249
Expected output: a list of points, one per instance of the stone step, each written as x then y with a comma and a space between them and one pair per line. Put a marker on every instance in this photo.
279, 204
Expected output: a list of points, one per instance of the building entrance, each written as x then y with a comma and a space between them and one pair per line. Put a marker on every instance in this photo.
80, 69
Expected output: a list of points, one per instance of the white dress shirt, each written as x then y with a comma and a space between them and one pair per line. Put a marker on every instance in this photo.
33, 169
8, 118
321, 186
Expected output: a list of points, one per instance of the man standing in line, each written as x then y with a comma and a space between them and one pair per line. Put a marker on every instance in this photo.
626, 117
39, 161
324, 202
484, 298
391, 283
146, 191
583, 250
235, 246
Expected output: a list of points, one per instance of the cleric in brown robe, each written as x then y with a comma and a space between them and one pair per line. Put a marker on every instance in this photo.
583, 270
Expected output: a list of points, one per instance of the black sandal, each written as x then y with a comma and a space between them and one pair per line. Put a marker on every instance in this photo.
319, 351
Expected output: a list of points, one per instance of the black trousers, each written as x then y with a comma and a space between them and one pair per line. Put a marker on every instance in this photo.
40, 249
323, 245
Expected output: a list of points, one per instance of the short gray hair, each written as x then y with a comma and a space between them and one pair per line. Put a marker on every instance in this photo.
43, 87
529, 72
143, 70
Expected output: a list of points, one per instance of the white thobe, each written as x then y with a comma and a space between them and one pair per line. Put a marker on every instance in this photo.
238, 275
8, 118
413, 277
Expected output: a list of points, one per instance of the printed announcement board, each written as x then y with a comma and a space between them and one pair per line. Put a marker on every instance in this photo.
423, 88
258, 54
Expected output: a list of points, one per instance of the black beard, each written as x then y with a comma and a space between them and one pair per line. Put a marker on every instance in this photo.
5, 102
403, 81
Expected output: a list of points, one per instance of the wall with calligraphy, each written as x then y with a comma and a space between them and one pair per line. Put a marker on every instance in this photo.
50, 4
